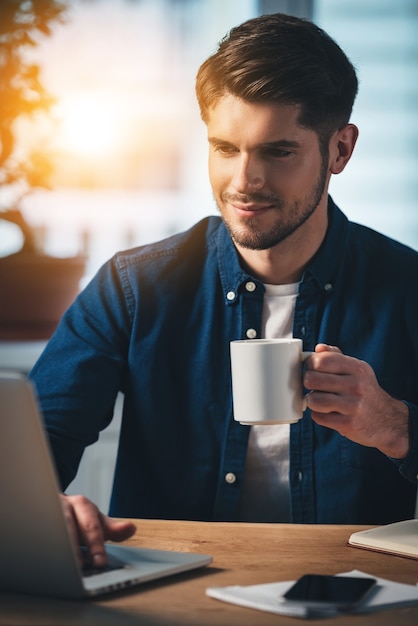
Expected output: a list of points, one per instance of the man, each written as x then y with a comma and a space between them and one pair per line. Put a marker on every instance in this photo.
282, 260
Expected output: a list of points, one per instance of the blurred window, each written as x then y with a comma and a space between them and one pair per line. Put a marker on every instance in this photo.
380, 185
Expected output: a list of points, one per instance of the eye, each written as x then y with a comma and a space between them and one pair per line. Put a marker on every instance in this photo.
224, 148
277, 153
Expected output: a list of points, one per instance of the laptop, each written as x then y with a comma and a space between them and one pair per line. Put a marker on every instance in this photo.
36, 553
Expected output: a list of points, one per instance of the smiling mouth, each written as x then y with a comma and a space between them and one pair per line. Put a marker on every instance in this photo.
250, 210
253, 204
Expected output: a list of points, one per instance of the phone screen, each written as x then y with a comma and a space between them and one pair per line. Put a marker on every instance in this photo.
333, 591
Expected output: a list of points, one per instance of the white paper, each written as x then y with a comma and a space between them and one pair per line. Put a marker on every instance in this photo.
385, 595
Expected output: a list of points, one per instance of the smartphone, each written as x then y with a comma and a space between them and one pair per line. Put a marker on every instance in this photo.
333, 593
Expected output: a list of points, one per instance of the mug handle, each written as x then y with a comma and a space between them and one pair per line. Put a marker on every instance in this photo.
306, 355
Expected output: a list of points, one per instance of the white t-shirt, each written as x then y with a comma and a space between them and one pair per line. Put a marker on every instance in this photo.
265, 489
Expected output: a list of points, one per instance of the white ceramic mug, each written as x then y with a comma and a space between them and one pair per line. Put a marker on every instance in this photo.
267, 380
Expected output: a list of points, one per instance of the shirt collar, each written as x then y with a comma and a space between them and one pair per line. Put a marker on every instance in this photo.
325, 265
231, 273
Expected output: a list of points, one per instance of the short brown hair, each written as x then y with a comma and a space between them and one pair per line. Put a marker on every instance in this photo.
283, 59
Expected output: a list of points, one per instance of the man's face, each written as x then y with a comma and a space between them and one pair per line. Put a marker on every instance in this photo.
267, 173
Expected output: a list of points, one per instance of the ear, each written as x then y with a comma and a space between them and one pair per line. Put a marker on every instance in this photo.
341, 147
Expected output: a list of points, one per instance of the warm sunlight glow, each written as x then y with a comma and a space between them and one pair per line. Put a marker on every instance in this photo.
89, 123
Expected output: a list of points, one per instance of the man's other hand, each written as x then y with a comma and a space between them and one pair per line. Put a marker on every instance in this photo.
91, 528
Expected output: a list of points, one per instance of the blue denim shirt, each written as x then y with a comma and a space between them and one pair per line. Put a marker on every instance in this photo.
156, 323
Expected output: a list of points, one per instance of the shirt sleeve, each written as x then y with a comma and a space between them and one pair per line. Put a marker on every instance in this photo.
80, 372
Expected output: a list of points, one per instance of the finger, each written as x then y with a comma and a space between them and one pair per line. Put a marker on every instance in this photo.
71, 525
340, 374
336, 421
332, 362
117, 530
334, 383
324, 347
325, 403
90, 529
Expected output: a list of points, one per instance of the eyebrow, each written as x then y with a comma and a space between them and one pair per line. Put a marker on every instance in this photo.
280, 143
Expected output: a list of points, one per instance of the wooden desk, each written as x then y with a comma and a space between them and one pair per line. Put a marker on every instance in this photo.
244, 554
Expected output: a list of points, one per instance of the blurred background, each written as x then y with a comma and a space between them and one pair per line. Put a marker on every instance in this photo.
126, 149
102, 147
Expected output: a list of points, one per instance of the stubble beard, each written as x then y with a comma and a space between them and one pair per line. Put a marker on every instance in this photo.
251, 237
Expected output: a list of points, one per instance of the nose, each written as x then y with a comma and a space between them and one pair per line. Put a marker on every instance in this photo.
248, 175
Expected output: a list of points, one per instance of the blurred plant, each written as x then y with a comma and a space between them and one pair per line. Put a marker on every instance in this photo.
22, 23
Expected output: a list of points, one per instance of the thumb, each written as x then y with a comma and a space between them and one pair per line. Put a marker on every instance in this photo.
117, 530
324, 347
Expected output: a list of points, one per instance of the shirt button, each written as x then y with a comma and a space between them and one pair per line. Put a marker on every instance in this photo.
230, 478
327, 286
299, 477
251, 333
250, 286
230, 295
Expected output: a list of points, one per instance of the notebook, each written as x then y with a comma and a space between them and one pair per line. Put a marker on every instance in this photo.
36, 553
400, 538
